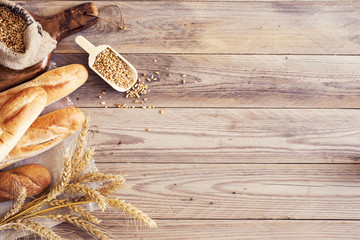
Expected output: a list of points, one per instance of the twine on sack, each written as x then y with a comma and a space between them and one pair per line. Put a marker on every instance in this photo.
121, 26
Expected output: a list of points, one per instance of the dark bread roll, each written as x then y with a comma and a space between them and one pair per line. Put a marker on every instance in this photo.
36, 178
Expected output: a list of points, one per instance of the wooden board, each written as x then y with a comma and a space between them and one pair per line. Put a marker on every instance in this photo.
241, 191
226, 135
263, 139
233, 81
227, 229
328, 28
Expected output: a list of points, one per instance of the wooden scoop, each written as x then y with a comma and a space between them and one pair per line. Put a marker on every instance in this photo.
59, 26
94, 51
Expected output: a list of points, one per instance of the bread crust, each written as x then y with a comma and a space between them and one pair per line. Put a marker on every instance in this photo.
58, 83
36, 178
46, 132
16, 116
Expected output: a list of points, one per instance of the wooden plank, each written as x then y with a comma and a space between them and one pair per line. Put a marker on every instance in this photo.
229, 229
240, 191
234, 81
215, 27
281, 1
226, 135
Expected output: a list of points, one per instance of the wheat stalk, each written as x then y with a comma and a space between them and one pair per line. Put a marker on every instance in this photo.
39, 229
98, 177
19, 202
132, 211
111, 187
78, 160
81, 223
9, 226
65, 179
89, 192
81, 211
19, 215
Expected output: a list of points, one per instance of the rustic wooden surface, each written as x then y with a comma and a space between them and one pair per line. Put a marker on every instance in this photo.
263, 139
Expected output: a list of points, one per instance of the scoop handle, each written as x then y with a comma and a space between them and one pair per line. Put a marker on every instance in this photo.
85, 44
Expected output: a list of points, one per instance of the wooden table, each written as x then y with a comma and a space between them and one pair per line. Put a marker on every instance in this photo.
263, 139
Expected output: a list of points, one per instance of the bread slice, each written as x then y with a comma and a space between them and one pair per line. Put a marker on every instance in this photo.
16, 116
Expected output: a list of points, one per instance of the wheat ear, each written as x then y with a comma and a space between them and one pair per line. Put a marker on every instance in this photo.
78, 159
19, 202
132, 211
9, 226
38, 229
79, 210
65, 179
111, 187
80, 223
89, 192
98, 177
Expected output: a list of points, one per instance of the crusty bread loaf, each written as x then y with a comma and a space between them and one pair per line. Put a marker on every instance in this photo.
16, 116
46, 132
34, 177
58, 83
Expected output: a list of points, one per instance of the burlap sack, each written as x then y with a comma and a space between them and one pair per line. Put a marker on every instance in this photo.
38, 43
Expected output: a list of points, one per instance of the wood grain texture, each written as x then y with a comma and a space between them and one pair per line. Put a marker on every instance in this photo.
227, 230
244, 149
234, 81
114, 1
245, 191
226, 135
215, 27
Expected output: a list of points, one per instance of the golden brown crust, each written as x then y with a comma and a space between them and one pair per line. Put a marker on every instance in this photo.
58, 83
46, 132
34, 177
16, 116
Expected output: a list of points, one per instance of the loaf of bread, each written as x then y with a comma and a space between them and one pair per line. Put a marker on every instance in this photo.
34, 177
16, 116
58, 83
46, 132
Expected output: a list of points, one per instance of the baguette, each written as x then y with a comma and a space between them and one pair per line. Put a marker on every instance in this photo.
16, 116
58, 83
34, 177
46, 132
